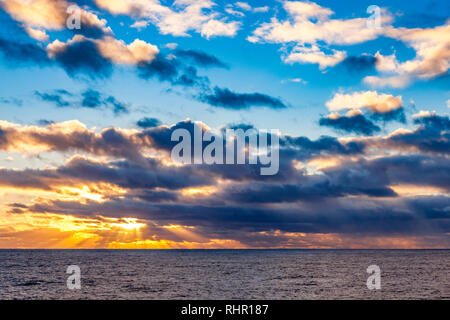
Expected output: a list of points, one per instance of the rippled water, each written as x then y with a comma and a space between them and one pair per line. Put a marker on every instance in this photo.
224, 274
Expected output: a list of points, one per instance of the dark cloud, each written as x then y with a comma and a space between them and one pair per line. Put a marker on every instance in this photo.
157, 196
190, 78
160, 137
117, 106
172, 71
12, 101
242, 126
148, 176
362, 216
91, 30
178, 73
56, 97
393, 115
148, 123
90, 98
94, 99
109, 142
161, 68
357, 64
228, 99
435, 122
343, 180
354, 196
309, 189
83, 57
356, 124
305, 148
23, 52
413, 169
431, 136
200, 58
45, 122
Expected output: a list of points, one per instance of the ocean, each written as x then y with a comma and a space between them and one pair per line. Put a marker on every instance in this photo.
224, 274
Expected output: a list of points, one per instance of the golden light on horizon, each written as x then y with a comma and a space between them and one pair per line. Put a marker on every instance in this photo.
129, 224
83, 192
176, 226
416, 190
168, 244
324, 163
199, 191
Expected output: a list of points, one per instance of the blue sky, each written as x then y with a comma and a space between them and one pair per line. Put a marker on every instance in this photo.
253, 68
315, 69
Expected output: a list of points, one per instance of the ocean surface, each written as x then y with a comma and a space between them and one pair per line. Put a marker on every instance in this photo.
225, 274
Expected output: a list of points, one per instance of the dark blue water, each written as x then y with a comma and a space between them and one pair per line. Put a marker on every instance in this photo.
225, 274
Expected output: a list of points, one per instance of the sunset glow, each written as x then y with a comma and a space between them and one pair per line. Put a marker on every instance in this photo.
116, 133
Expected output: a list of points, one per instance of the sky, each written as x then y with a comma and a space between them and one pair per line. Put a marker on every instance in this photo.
91, 91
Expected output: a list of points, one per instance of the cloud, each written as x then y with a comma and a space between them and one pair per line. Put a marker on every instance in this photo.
308, 22
310, 31
173, 71
393, 115
148, 123
261, 9
303, 148
140, 25
57, 98
229, 9
430, 136
393, 82
40, 15
242, 126
37, 34
96, 57
214, 28
177, 20
359, 63
90, 98
432, 120
295, 80
66, 137
132, 54
346, 216
243, 5
371, 100
228, 99
124, 174
23, 52
200, 58
94, 99
233, 202
117, 106
356, 124
314, 55
307, 25
432, 57
12, 101
45, 122
80, 56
